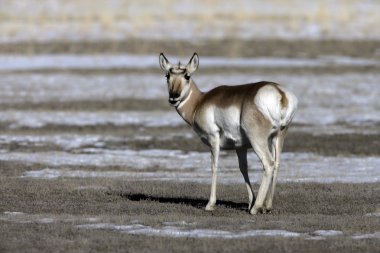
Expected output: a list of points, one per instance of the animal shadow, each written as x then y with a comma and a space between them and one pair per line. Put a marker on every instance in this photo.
197, 203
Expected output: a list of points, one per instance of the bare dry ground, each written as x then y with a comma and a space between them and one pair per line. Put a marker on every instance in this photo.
52, 211
225, 47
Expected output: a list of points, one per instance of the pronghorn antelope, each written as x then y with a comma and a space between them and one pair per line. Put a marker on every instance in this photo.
235, 117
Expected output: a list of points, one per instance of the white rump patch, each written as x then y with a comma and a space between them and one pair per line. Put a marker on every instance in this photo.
268, 102
288, 113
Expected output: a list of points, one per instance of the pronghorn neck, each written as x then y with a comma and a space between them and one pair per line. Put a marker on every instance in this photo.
189, 104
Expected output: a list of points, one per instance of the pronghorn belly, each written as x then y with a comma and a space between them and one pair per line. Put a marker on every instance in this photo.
228, 139
227, 121
223, 122
232, 140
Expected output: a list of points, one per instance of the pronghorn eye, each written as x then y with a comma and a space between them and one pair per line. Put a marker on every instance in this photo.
187, 77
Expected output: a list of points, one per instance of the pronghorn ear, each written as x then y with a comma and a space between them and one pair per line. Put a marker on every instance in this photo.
164, 63
193, 64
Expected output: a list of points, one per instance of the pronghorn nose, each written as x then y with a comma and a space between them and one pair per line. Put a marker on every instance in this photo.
173, 98
174, 95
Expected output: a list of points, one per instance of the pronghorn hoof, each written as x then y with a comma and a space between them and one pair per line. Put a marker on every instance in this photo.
266, 211
254, 211
210, 208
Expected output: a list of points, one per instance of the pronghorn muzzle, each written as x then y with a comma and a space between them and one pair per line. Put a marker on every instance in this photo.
174, 99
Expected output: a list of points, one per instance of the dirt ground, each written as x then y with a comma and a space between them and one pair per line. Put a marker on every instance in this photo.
227, 47
301, 208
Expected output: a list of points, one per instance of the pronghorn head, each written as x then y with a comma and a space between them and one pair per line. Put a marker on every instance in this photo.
178, 78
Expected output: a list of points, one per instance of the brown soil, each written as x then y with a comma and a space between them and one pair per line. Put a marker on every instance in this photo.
302, 208
226, 47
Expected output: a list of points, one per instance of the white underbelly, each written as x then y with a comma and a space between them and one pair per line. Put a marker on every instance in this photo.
224, 122
230, 140
228, 123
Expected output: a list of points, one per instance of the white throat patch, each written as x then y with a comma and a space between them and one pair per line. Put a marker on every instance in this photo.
186, 99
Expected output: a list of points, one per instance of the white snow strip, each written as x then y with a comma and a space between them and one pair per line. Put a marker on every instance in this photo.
46, 220
327, 233
20, 217
38, 119
376, 214
77, 141
194, 166
105, 61
325, 117
322, 89
375, 235
173, 229
13, 213
179, 223
65, 141
170, 231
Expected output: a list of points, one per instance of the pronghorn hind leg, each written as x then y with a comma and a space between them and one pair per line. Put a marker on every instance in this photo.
260, 145
277, 145
243, 166
214, 143
267, 203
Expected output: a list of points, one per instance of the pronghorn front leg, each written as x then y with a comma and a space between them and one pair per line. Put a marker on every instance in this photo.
214, 143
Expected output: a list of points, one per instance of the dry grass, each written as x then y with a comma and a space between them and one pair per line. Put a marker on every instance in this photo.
225, 47
85, 17
302, 208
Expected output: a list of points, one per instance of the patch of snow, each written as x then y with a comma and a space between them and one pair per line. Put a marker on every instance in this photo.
13, 213
170, 231
179, 231
38, 119
46, 220
69, 142
321, 117
194, 166
20, 217
375, 235
105, 61
376, 214
179, 223
327, 233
